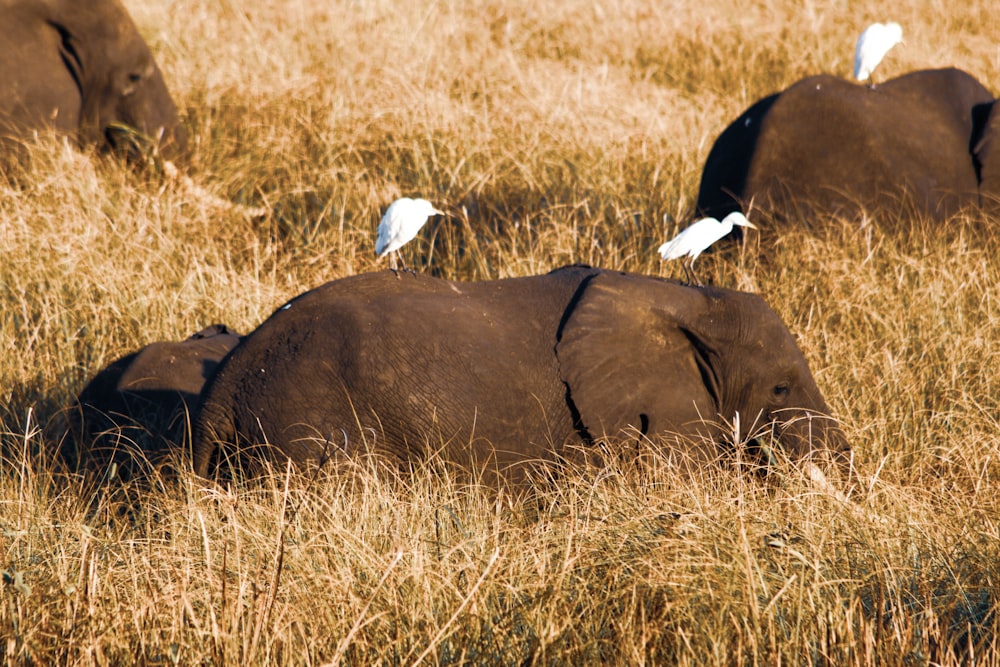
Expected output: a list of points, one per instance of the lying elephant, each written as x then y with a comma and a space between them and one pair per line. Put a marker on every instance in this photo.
81, 69
497, 374
826, 145
140, 403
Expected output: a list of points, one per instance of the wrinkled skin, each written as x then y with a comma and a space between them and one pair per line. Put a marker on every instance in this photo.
497, 374
77, 68
140, 403
827, 145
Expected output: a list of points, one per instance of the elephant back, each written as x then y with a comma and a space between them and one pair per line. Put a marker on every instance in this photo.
407, 360
829, 146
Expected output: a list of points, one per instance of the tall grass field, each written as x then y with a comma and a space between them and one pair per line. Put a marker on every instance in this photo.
551, 132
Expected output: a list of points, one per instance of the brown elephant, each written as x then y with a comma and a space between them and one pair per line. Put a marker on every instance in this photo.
827, 145
139, 404
500, 373
81, 68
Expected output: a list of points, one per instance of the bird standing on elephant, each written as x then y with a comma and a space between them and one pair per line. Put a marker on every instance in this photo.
400, 224
876, 41
694, 240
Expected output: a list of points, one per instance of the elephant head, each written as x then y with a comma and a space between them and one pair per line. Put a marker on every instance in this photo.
120, 82
140, 402
83, 68
693, 361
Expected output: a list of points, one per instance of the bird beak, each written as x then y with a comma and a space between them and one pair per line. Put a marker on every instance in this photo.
751, 225
437, 212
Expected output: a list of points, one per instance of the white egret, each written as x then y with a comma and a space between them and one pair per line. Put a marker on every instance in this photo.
692, 241
401, 222
872, 46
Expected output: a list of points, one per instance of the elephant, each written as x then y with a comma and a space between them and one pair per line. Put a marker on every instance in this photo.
500, 375
829, 146
81, 69
139, 404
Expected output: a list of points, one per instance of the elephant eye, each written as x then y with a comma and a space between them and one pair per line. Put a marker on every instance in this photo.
781, 391
132, 81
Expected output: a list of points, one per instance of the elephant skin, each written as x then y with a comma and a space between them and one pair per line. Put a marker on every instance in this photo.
80, 69
139, 404
498, 374
829, 146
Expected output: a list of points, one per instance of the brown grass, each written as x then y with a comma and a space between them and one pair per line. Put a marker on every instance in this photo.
554, 132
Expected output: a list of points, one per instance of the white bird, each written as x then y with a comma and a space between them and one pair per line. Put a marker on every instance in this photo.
692, 241
872, 46
401, 222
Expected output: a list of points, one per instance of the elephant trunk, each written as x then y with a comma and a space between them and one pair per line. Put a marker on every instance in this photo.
855, 506
822, 483
213, 426
818, 440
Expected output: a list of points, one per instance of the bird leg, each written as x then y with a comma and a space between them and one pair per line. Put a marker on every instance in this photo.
689, 271
405, 268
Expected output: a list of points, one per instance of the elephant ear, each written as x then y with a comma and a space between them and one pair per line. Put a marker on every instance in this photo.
632, 354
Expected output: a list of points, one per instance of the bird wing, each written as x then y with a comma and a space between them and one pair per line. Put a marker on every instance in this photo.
692, 240
401, 222
384, 236
676, 247
860, 55
872, 46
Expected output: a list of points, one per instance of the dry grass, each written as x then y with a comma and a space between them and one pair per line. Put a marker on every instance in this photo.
555, 132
